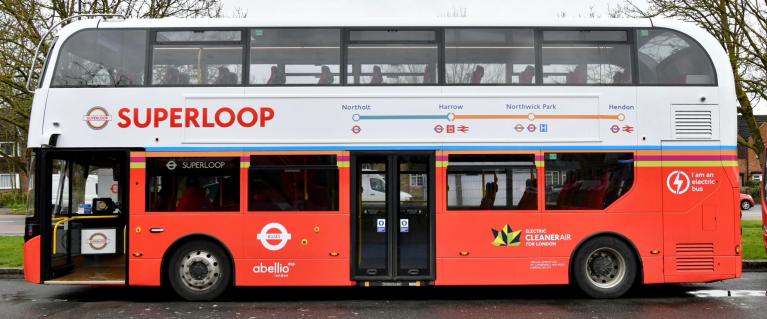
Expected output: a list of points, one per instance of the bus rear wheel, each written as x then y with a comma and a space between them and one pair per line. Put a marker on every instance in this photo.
199, 271
605, 267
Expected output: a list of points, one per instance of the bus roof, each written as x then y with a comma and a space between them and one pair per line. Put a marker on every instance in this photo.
334, 21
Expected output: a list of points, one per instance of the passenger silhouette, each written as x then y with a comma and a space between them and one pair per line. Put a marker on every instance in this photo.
326, 77
479, 73
377, 76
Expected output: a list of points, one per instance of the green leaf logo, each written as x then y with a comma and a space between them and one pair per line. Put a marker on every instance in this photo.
506, 237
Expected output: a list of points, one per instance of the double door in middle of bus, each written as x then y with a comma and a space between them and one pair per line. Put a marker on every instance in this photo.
393, 216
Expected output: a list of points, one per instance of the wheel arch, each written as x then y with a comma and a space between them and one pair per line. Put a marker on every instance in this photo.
188, 238
618, 236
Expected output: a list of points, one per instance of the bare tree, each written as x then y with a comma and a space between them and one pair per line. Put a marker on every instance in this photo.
740, 26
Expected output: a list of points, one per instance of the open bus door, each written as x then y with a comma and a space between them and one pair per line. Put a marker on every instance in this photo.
82, 213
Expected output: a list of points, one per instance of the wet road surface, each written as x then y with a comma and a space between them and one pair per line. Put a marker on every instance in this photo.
11, 225
736, 299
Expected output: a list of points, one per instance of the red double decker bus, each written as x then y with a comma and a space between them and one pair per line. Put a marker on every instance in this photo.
203, 154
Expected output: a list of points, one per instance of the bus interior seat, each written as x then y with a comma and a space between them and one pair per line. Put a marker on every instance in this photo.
225, 76
172, 76
529, 198
578, 76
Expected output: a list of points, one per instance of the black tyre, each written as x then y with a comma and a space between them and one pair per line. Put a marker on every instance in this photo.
605, 267
745, 205
199, 270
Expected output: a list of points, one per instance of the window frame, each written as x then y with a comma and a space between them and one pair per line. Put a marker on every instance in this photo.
341, 66
536, 55
315, 167
535, 168
344, 44
542, 192
145, 194
714, 83
630, 42
61, 45
244, 44
439, 41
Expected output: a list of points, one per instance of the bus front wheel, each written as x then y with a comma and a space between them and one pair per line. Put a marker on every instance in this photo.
605, 267
199, 271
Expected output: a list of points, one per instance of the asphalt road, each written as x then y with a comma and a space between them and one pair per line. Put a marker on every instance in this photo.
11, 225
746, 299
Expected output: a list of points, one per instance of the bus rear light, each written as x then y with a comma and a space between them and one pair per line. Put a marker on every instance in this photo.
737, 249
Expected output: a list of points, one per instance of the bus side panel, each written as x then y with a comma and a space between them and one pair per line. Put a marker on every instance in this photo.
700, 216
293, 272
32, 260
640, 229
295, 249
469, 251
457, 271
150, 247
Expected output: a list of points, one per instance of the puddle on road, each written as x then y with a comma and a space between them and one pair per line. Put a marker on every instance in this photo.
727, 293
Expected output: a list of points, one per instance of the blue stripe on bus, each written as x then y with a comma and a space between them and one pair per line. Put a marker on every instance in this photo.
438, 147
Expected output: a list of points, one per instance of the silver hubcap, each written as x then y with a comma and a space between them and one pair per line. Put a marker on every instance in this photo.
605, 268
745, 205
200, 270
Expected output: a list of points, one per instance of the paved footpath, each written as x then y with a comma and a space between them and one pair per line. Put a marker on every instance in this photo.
736, 299
755, 213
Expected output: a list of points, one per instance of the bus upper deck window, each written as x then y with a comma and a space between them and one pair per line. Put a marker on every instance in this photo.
670, 58
295, 56
392, 57
586, 57
102, 58
197, 57
490, 56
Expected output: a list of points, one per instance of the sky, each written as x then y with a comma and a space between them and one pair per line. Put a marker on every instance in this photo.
521, 8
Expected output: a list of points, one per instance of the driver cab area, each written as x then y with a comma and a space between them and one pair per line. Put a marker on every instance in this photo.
85, 215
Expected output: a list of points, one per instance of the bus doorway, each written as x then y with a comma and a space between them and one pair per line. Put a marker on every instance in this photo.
83, 216
393, 220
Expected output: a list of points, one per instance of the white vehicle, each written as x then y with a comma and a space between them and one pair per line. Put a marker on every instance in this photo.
374, 189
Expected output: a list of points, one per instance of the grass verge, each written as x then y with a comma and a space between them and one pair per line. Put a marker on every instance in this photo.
753, 243
11, 251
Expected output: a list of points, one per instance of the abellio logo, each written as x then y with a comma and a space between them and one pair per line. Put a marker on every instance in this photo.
277, 269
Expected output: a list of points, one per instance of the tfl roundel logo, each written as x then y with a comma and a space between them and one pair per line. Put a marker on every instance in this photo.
97, 118
274, 236
678, 182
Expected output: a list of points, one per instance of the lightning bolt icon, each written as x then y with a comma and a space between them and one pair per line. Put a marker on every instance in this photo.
678, 182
